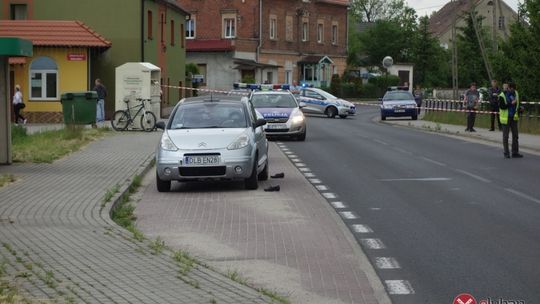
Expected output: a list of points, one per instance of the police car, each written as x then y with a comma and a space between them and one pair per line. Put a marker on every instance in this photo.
282, 113
398, 102
318, 101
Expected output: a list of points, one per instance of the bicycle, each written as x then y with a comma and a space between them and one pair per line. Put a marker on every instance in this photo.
122, 118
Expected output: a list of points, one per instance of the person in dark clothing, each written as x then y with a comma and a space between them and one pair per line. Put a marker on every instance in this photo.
471, 99
418, 97
102, 94
494, 93
509, 105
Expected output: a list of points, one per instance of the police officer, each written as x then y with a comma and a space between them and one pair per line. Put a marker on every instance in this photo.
509, 116
494, 93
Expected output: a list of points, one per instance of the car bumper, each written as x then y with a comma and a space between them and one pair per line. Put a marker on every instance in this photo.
399, 112
290, 130
169, 167
344, 110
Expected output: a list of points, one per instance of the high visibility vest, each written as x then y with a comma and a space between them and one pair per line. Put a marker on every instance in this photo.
503, 113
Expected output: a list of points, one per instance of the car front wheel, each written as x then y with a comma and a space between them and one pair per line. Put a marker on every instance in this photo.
331, 112
343, 116
264, 173
383, 117
251, 183
162, 185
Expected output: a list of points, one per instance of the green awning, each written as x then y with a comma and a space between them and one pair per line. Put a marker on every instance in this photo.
10, 46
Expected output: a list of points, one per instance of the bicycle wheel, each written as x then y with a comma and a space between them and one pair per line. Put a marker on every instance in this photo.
148, 121
120, 120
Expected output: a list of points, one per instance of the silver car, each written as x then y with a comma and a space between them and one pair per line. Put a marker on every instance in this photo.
212, 138
318, 101
282, 113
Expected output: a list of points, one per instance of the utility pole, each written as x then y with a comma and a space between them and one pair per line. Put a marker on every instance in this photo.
454, 59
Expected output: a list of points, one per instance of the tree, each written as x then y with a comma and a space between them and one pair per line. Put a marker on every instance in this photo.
374, 10
385, 38
519, 59
431, 61
471, 66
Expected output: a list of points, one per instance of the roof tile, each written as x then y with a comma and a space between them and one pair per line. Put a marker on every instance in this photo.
53, 33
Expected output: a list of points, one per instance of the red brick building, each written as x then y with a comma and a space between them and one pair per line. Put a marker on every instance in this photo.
275, 41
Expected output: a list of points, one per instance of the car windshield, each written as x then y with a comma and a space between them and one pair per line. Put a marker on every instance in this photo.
209, 115
398, 95
273, 101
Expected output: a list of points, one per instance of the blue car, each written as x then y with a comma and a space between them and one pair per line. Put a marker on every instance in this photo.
398, 103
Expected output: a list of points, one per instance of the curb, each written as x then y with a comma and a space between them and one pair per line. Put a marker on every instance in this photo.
458, 135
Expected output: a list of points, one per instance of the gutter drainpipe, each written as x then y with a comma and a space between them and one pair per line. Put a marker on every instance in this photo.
142, 30
257, 53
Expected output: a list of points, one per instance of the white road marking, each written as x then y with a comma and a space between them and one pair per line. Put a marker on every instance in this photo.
296, 160
381, 142
429, 160
386, 263
309, 174
348, 215
421, 179
485, 180
372, 243
375, 208
358, 228
338, 205
321, 187
300, 164
289, 152
329, 195
304, 169
402, 151
285, 149
523, 195
315, 181
399, 287
291, 156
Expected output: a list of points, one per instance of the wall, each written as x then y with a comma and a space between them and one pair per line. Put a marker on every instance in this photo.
72, 77
221, 66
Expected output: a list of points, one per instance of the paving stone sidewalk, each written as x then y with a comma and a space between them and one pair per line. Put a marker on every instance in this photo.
58, 241
291, 241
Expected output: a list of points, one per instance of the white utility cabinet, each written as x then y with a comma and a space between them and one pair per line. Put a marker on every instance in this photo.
138, 80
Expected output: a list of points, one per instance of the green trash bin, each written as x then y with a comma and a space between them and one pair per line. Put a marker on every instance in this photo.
79, 108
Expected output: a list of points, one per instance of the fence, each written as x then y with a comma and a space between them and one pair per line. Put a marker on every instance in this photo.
531, 110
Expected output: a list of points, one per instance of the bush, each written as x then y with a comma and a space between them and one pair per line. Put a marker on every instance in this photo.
381, 83
369, 90
349, 90
248, 79
335, 85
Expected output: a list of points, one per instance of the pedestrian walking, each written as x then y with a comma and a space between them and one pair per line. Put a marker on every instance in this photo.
418, 97
494, 91
509, 116
18, 105
471, 99
102, 94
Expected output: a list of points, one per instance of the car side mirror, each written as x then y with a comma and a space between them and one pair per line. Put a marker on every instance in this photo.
259, 123
160, 125
302, 105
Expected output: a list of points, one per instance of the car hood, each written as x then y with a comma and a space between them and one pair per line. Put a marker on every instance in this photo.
204, 139
275, 112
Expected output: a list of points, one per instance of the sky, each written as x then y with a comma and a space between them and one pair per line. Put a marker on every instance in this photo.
425, 7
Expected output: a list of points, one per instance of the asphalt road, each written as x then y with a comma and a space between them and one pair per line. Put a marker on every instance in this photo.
456, 216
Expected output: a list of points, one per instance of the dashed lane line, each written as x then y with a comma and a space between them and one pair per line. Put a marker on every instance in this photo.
348, 215
359, 228
338, 205
375, 244
485, 180
329, 195
523, 195
386, 263
321, 187
399, 287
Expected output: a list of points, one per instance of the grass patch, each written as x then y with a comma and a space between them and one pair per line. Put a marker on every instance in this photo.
48, 146
123, 213
526, 125
157, 246
274, 296
110, 193
6, 179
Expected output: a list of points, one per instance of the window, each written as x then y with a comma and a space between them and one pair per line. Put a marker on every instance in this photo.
18, 11
43, 79
289, 28
305, 31
190, 28
162, 27
182, 37
149, 25
229, 27
273, 23
320, 32
334, 34
172, 32
501, 23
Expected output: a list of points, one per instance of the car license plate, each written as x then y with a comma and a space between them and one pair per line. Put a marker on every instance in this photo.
202, 160
276, 126
399, 111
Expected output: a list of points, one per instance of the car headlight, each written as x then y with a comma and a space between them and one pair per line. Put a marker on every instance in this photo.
411, 106
387, 107
167, 144
241, 142
297, 118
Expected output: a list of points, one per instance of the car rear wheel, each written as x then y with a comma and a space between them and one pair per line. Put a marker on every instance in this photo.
264, 174
251, 183
162, 185
343, 116
331, 112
